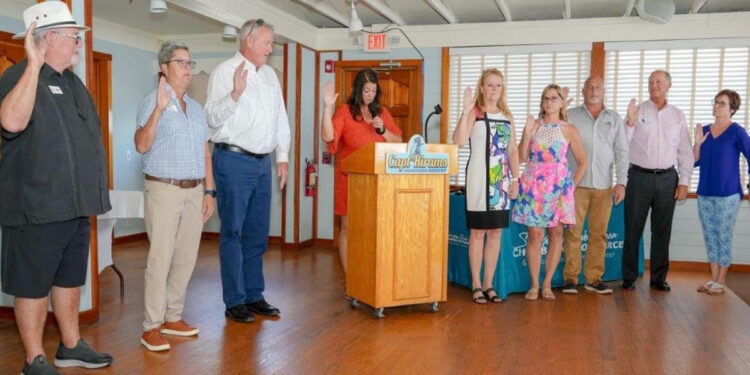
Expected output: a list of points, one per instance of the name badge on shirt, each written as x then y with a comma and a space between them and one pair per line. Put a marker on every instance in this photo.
172, 108
55, 89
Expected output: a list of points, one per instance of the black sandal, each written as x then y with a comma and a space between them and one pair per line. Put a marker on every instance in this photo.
480, 299
493, 299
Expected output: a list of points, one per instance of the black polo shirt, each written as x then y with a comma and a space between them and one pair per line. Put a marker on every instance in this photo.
55, 169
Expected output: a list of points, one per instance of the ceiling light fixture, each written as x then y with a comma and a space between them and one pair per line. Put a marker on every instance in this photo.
229, 32
355, 24
157, 6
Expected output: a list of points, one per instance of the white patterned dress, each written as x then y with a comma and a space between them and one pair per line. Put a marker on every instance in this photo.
488, 173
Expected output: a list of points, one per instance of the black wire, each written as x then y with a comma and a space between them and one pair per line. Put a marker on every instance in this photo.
389, 28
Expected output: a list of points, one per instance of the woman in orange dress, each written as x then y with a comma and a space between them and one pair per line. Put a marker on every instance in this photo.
358, 122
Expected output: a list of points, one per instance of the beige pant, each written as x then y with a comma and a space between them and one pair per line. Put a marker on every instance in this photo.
598, 204
174, 224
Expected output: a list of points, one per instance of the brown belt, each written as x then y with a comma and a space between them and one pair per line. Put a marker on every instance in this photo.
185, 184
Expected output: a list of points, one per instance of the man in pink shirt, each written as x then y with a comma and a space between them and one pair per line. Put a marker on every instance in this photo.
659, 140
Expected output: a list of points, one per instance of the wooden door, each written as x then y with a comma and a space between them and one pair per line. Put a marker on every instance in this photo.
401, 88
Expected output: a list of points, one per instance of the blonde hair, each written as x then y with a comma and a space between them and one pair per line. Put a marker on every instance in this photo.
563, 114
479, 98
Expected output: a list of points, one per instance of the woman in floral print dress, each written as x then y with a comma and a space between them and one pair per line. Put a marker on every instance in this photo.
545, 197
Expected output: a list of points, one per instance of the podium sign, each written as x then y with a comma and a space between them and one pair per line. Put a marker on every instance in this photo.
416, 160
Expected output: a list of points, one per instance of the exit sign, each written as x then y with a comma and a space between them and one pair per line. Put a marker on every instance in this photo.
376, 43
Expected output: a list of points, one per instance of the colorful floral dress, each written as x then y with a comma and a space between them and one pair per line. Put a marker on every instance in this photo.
488, 173
546, 189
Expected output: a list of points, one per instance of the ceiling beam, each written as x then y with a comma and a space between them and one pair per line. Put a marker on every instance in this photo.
443, 11
566, 9
385, 11
629, 8
697, 6
236, 12
326, 10
504, 9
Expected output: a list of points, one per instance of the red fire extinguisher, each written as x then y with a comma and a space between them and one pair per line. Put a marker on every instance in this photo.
311, 178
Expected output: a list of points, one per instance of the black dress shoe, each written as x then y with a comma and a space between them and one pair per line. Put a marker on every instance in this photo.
239, 313
628, 285
262, 308
661, 285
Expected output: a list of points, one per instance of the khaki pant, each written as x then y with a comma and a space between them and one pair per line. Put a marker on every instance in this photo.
598, 204
174, 224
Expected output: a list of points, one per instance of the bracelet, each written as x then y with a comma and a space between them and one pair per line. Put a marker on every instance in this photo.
380, 131
513, 179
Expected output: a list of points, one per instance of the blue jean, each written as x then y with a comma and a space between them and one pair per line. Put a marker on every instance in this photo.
717, 218
243, 196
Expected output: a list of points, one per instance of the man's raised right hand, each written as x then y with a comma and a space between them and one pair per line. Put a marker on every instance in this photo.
240, 81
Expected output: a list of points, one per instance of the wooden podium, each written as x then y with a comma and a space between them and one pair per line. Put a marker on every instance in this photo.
398, 230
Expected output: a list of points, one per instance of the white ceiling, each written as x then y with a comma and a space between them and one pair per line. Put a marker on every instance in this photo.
177, 20
419, 12
135, 14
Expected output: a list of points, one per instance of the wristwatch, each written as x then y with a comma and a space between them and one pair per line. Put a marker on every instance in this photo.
210, 192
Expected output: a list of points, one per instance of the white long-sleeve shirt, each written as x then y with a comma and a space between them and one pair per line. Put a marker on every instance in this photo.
257, 121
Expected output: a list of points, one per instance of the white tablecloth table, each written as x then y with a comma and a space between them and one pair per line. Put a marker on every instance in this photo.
125, 205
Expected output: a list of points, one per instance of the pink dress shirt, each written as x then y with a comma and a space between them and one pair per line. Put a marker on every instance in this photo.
659, 139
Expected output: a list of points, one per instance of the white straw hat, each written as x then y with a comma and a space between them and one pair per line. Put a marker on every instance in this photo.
48, 15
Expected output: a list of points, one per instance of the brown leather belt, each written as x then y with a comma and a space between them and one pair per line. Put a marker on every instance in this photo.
185, 184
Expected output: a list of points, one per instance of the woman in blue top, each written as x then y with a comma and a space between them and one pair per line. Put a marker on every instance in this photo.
717, 151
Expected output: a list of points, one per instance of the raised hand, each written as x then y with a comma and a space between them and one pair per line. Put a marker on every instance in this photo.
698, 136
566, 91
632, 113
162, 94
34, 54
531, 125
329, 97
468, 100
240, 81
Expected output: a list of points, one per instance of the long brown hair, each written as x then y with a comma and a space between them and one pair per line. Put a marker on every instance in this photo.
559, 90
479, 98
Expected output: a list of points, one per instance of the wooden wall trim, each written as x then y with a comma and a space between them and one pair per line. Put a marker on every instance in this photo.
89, 44
598, 57
297, 139
445, 94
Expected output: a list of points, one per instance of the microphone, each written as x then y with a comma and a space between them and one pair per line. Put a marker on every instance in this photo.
438, 110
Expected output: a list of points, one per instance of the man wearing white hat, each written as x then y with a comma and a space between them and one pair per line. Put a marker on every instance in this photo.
53, 177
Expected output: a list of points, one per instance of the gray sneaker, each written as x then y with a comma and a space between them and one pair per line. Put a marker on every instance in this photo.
81, 356
39, 366
599, 287
570, 288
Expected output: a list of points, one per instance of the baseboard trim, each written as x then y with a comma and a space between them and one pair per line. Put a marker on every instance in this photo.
84, 317
298, 246
685, 265
323, 242
129, 238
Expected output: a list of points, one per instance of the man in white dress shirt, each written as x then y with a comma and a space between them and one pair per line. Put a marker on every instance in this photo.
247, 119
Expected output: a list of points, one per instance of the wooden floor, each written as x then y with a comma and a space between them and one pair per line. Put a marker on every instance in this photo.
638, 332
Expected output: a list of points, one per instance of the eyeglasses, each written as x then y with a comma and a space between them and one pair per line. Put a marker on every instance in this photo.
257, 23
77, 38
553, 99
719, 103
184, 63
